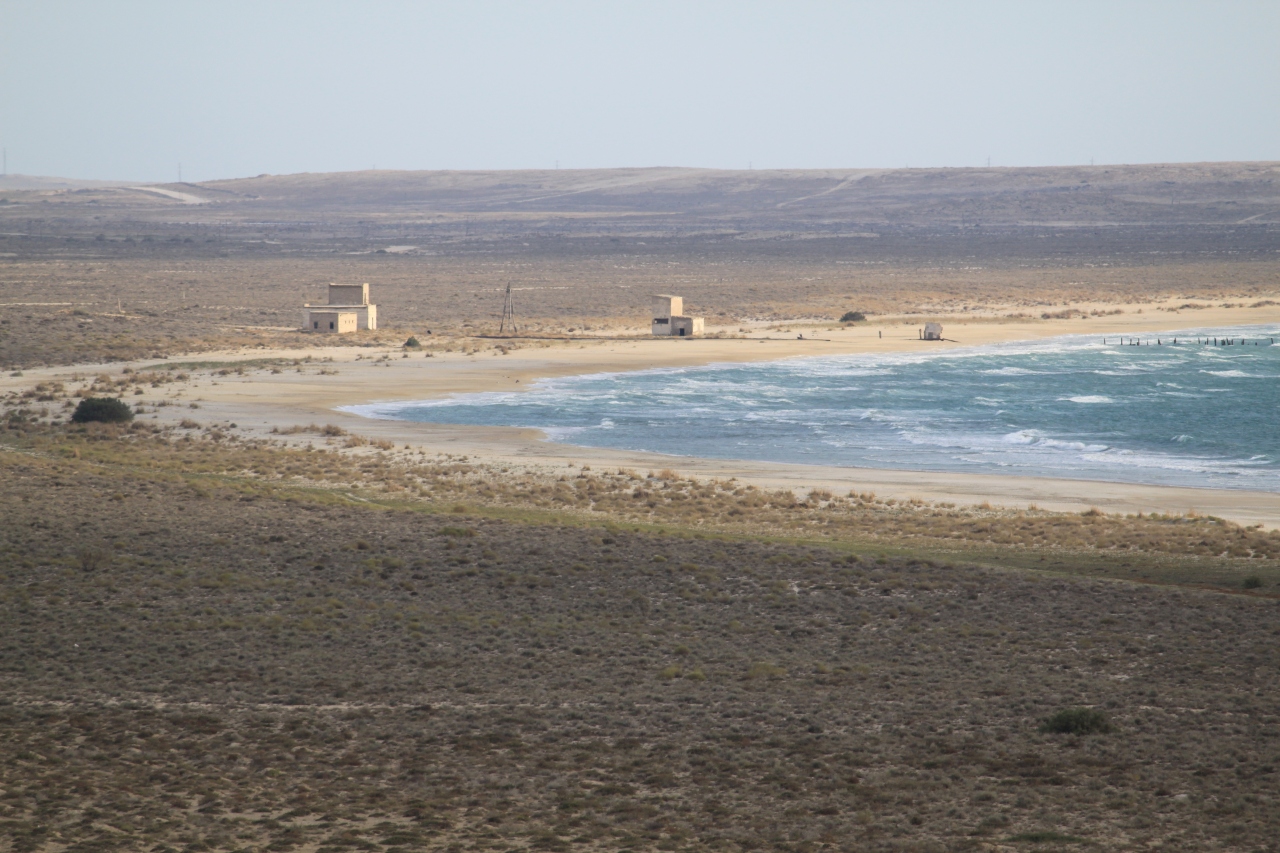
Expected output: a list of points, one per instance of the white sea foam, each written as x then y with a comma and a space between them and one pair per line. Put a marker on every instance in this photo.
1012, 371
1188, 464
562, 433
1039, 407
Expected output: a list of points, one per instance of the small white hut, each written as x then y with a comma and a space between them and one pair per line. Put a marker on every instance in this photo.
933, 331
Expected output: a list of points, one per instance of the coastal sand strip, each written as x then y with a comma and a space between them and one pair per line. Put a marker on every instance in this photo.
260, 401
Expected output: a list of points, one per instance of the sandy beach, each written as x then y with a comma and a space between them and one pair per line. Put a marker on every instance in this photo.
260, 402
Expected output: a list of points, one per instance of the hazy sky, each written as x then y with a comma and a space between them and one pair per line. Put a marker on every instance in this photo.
127, 90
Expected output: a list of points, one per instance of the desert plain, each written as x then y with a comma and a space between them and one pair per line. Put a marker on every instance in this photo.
246, 620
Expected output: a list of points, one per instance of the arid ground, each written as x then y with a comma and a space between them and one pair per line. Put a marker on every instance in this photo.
244, 621
115, 272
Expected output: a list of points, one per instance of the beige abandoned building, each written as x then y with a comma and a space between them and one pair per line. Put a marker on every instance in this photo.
348, 309
932, 332
339, 322
669, 319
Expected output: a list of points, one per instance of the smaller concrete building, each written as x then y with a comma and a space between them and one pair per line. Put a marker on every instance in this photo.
669, 318
352, 299
684, 327
933, 331
335, 322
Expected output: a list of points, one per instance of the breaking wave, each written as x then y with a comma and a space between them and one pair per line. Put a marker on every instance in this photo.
1069, 407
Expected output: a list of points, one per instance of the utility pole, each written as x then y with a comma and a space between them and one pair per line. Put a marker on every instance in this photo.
6, 162
508, 313
179, 173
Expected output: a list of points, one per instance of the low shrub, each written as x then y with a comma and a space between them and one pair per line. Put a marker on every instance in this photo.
1077, 721
93, 559
412, 343
107, 410
764, 669
1251, 582
852, 317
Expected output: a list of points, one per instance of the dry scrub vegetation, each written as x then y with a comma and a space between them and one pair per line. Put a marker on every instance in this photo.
93, 274
315, 642
196, 660
1179, 548
1185, 548
64, 312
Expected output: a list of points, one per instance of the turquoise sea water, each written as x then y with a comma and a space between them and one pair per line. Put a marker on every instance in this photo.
1190, 414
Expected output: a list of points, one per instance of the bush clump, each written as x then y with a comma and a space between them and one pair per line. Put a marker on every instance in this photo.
1077, 721
764, 669
107, 410
852, 317
1252, 582
412, 343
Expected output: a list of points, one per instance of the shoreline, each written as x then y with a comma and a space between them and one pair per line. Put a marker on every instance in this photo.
261, 402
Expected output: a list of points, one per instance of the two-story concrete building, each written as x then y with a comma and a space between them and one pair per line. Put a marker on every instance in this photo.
669, 318
349, 309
